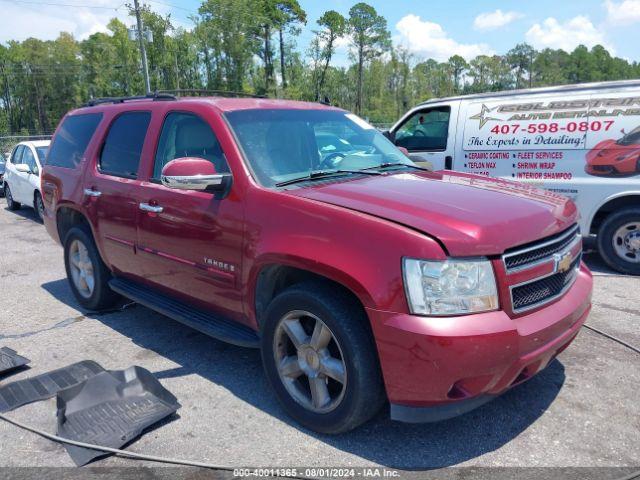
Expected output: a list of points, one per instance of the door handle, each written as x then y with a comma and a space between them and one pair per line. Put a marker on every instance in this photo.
92, 193
150, 208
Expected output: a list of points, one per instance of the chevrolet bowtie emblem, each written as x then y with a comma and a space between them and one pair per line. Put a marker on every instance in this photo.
563, 262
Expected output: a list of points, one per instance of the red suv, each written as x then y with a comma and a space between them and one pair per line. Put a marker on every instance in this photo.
299, 229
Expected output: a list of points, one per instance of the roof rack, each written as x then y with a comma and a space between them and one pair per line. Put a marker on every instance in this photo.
157, 96
215, 93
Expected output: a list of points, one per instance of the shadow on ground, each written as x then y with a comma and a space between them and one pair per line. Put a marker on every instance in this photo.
25, 213
382, 441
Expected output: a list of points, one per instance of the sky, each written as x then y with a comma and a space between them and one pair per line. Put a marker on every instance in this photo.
428, 28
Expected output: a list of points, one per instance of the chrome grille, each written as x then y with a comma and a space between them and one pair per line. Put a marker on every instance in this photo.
543, 290
525, 256
558, 256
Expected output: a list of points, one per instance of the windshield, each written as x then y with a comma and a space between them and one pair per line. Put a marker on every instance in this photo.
282, 145
42, 153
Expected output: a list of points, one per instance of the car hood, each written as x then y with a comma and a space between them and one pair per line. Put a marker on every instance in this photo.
468, 214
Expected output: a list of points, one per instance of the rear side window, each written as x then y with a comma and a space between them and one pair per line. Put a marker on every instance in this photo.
123, 146
72, 138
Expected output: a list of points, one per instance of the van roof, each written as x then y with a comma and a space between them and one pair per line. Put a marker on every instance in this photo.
533, 91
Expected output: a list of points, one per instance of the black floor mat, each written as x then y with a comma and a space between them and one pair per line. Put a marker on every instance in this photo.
41, 387
10, 360
111, 409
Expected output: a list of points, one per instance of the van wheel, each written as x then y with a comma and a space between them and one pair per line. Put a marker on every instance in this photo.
11, 203
87, 274
619, 240
320, 358
38, 205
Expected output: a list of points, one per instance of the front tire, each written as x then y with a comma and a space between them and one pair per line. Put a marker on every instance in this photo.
38, 205
619, 240
320, 358
87, 274
11, 203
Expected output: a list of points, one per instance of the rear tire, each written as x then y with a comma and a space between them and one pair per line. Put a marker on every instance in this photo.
351, 391
619, 240
11, 203
38, 205
87, 274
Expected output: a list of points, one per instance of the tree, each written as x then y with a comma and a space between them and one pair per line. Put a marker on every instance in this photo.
229, 41
370, 38
521, 59
581, 65
457, 66
333, 27
288, 13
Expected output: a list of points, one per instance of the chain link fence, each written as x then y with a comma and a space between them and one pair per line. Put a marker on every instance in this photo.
8, 142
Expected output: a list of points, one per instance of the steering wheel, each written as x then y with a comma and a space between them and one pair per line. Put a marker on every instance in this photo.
419, 133
331, 160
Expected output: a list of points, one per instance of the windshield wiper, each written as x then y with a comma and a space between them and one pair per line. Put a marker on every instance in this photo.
395, 164
319, 174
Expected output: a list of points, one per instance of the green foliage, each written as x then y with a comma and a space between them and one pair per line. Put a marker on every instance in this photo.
370, 39
231, 47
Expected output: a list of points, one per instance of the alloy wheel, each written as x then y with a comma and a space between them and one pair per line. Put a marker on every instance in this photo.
81, 268
309, 361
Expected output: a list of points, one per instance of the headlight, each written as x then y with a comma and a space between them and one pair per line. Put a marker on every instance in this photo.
450, 287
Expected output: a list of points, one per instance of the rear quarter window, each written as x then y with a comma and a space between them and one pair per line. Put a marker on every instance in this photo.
71, 140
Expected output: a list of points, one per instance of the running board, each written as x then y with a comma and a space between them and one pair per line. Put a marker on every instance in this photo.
208, 323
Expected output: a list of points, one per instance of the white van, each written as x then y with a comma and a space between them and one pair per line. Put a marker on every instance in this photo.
582, 141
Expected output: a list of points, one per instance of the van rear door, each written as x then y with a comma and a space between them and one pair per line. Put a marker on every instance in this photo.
428, 133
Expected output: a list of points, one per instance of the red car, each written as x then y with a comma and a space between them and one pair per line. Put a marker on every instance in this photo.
362, 277
616, 157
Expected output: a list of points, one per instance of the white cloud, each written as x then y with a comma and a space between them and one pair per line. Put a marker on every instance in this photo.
567, 35
493, 20
623, 13
47, 21
430, 39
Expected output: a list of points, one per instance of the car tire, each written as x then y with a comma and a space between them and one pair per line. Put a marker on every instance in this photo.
38, 205
348, 404
11, 203
619, 240
82, 261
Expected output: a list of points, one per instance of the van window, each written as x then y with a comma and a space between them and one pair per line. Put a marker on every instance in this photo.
426, 130
72, 138
123, 146
187, 135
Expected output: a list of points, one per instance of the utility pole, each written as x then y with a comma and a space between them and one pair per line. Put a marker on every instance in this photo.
143, 51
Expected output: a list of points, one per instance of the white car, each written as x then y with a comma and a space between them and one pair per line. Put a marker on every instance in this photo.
22, 176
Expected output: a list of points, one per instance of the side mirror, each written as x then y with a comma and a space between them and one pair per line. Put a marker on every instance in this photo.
22, 168
390, 135
190, 173
404, 150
